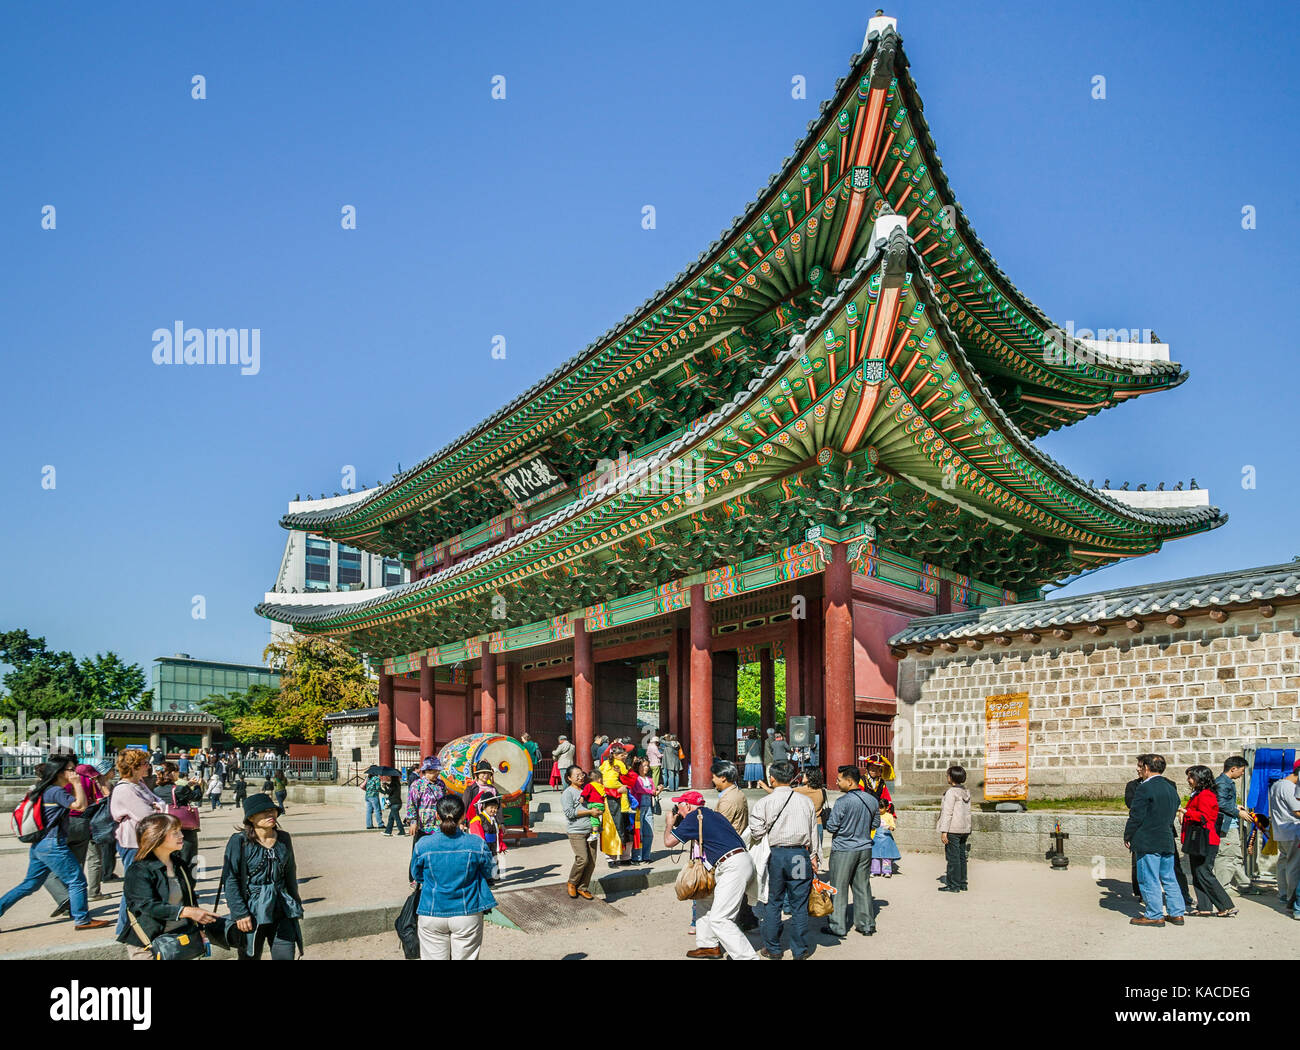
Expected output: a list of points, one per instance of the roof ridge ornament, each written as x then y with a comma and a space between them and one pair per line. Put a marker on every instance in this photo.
882, 63
876, 27
886, 223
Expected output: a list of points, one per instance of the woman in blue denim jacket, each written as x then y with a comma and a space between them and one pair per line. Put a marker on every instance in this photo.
453, 871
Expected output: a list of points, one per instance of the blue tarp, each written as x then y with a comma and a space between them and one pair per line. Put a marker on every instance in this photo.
1271, 764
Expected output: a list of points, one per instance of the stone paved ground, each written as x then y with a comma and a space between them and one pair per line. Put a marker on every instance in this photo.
1015, 910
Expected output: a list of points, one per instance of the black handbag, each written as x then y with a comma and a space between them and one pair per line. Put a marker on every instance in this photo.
78, 829
408, 926
224, 933
1196, 840
172, 947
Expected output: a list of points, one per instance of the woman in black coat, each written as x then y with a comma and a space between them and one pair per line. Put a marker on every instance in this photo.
393, 789
159, 887
259, 877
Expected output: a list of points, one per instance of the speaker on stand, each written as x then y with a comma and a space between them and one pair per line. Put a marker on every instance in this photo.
800, 732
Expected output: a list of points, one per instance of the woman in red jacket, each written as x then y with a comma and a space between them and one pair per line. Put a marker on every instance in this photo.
1203, 809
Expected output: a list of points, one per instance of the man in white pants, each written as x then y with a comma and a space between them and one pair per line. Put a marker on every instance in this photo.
716, 932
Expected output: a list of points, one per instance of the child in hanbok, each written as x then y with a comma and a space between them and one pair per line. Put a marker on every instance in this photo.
884, 850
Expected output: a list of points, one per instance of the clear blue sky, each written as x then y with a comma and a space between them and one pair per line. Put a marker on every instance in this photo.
522, 218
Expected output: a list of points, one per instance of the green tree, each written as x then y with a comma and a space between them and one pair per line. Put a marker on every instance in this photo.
748, 694
318, 676
245, 714
49, 684
113, 685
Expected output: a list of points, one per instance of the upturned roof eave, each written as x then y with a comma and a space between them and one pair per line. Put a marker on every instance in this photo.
928, 146
1174, 523
716, 421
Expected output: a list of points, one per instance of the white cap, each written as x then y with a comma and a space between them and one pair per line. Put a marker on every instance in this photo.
885, 225
876, 25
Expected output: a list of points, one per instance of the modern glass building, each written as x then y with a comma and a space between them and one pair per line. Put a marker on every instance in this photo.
180, 681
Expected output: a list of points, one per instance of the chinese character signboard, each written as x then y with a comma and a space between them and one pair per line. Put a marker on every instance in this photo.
530, 481
1006, 748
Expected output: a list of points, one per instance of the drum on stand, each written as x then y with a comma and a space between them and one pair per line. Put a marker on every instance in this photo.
512, 765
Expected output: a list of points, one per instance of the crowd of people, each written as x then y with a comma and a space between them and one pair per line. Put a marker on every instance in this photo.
1208, 829
80, 820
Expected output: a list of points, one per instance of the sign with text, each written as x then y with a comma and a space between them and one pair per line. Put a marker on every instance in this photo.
1006, 748
530, 481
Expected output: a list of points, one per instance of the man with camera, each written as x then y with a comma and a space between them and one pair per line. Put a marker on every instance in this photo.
716, 932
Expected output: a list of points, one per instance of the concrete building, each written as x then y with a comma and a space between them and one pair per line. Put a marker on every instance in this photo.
311, 565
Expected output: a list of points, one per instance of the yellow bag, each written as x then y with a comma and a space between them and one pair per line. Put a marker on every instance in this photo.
1270, 849
695, 881
821, 901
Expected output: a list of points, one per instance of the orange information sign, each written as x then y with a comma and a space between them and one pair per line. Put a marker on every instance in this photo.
1006, 748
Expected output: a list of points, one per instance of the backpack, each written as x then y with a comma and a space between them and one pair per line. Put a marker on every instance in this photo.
28, 820
103, 825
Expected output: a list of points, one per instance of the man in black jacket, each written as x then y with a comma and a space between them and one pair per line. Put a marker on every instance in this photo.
1149, 833
1130, 789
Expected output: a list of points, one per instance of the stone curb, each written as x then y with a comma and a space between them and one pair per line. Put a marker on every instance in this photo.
344, 923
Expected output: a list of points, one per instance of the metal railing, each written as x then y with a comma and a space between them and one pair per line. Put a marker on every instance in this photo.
19, 767
294, 768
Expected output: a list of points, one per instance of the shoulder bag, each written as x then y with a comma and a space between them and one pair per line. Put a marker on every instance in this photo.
80, 825
175, 947
103, 828
187, 815
821, 900
695, 881
1196, 838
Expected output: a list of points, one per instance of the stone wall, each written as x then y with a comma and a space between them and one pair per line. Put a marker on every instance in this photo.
343, 738
1195, 694
1094, 837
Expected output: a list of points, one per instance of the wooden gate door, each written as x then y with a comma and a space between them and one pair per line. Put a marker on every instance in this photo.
725, 693
616, 700
547, 701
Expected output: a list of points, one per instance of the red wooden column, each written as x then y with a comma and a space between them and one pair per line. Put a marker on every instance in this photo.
584, 694
838, 651
766, 692
386, 726
672, 712
488, 696
426, 707
701, 751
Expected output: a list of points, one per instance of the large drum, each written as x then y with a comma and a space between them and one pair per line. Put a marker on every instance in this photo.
511, 763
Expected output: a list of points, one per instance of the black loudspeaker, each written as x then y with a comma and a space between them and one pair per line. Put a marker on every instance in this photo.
356, 754
802, 730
